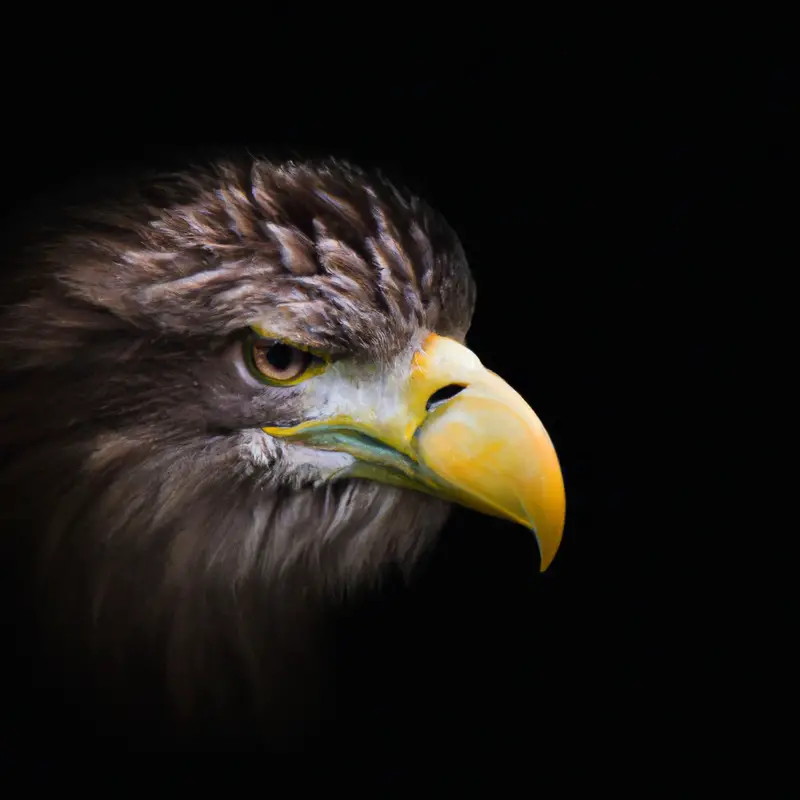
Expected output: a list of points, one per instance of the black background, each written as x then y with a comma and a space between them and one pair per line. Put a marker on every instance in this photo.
607, 191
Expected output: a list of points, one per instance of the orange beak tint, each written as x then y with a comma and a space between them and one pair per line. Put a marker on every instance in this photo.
490, 446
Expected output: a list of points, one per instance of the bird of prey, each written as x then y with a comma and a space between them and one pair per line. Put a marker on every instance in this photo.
229, 396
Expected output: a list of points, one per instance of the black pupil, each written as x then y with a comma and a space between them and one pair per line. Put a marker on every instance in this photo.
280, 356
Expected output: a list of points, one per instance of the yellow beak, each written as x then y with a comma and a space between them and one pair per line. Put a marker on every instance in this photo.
484, 447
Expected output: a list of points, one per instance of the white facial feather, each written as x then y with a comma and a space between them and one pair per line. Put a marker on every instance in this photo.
364, 392
368, 392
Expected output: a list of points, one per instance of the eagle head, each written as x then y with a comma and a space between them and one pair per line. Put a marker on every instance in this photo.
238, 379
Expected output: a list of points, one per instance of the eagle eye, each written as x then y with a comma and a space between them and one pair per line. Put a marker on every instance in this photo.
276, 362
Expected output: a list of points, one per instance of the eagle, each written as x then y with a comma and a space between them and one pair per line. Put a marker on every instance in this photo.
232, 394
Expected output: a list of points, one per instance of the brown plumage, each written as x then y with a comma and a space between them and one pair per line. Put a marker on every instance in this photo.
171, 559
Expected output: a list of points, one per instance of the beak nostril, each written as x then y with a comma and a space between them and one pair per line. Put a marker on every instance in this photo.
445, 393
